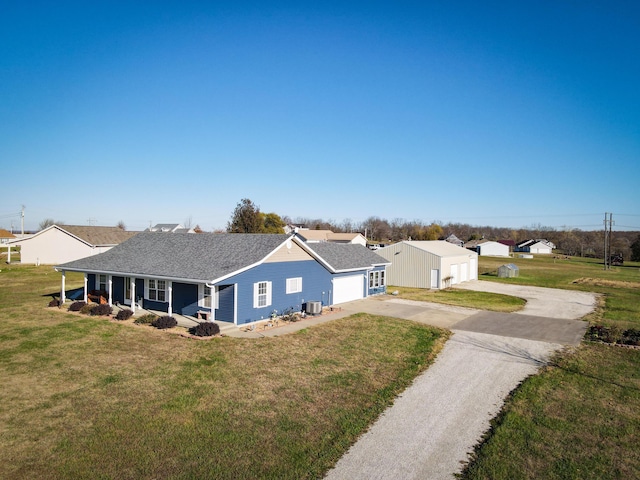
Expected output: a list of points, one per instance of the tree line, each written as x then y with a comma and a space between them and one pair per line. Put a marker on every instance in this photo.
247, 218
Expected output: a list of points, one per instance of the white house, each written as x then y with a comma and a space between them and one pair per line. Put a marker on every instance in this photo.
59, 244
488, 248
535, 246
429, 264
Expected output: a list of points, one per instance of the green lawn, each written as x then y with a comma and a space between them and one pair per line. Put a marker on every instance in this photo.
580, 417
85, 397
462, 298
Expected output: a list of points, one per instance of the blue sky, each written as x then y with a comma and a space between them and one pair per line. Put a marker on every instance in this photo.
487, 113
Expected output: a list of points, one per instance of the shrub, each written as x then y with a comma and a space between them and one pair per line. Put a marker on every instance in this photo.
54, 303
631, 337
164, 322
146, 319
101, 310
208, 329
604, 333
86, 309
76, 306
124, 314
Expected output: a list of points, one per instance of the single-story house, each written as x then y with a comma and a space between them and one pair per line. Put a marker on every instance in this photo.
535, 246
238, 278
429, 264
488, 248
314, 236
64, 243
6, 236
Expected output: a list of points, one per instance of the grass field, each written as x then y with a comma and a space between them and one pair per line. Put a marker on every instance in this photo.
85, 397
580, 417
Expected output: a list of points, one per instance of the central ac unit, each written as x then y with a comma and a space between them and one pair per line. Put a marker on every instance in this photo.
314, 308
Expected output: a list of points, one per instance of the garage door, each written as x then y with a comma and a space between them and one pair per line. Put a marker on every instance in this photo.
349, 288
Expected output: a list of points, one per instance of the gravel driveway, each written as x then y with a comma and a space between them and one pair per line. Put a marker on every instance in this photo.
433, 426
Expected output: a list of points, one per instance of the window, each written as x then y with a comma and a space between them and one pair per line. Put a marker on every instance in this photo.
157, 290
376, 279
207, 296
294, 285
261, 294
102, 283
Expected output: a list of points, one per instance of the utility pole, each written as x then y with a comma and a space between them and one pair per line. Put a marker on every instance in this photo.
22, 221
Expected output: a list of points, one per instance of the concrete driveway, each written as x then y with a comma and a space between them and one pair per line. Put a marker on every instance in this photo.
433, 426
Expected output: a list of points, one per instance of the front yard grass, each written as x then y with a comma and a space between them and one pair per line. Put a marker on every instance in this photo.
83, 397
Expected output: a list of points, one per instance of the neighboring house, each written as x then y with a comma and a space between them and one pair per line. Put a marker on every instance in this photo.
170, 228
64, 243
454, 240
429, 264
238, 278
314, 236
488, 248
6, 236
535, 246
509, 243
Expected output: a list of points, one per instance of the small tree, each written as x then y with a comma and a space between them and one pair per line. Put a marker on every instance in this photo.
121, 225
246, 218
272, 223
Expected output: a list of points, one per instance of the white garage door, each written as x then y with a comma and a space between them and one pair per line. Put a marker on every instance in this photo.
349, 288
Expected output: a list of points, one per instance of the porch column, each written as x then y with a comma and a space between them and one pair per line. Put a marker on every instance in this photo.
110, 291
214, 296
235, 304
133, 295
63, 298
169, 293
86, 286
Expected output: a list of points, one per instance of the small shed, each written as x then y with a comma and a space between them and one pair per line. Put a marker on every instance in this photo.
508, 270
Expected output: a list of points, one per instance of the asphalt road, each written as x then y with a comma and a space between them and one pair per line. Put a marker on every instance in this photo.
433, 426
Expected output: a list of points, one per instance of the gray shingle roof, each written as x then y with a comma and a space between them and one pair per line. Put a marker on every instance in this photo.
202, 257
341, 256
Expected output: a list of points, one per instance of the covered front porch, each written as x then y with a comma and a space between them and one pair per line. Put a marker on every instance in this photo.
191, 303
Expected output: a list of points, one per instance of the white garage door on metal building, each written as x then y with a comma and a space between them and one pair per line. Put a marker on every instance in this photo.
346, 289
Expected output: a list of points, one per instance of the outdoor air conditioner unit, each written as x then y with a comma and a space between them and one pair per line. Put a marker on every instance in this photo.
313, 308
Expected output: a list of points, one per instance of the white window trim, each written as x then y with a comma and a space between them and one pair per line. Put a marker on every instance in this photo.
294, 285
156, 281
376, 279
99, 282
256, 295
215, 300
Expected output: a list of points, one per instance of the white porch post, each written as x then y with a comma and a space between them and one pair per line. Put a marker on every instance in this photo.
86, 286
235, 304
133, 295
110, 291
63, 298
169, 292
